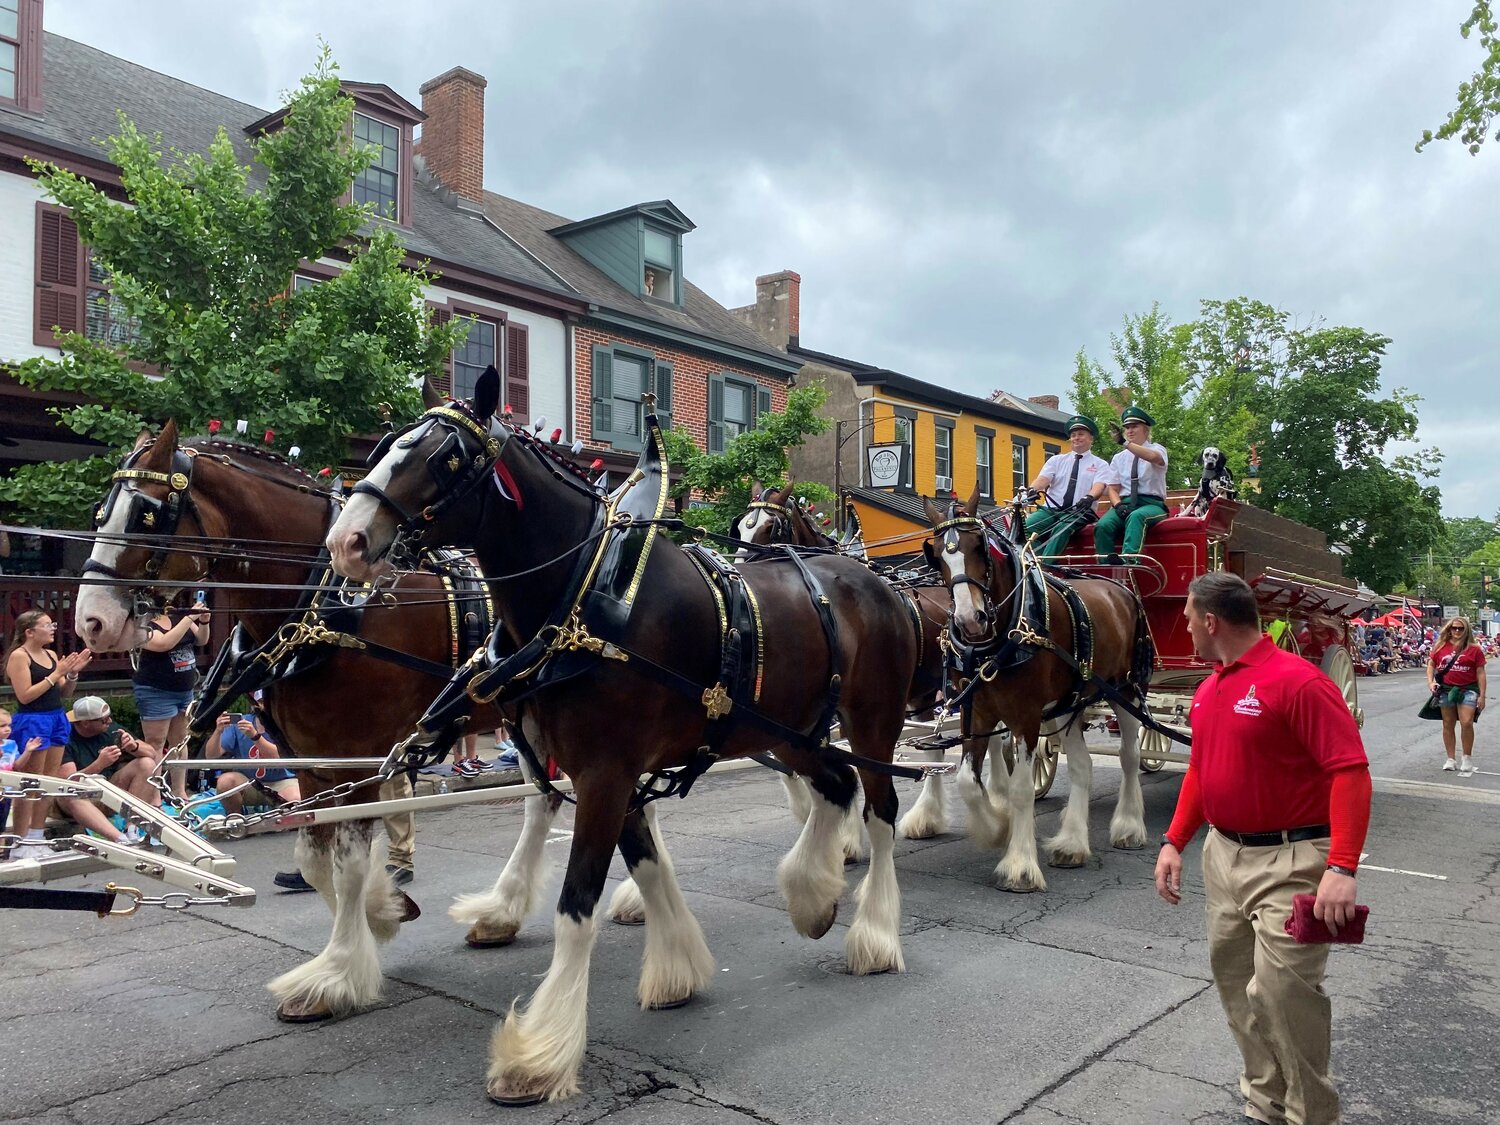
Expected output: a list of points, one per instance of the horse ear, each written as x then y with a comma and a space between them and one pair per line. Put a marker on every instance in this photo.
932, 559
141, 439
933, 512
487, 393
973, 505
430, 395
756, 489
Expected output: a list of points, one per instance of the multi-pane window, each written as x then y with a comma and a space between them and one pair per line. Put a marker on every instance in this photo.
302, 281
739, 409
378, 183
10, 47
104, 316
659, 277
1050, 450
1018, 474
472, 356
984, 464
629, 384
942, 454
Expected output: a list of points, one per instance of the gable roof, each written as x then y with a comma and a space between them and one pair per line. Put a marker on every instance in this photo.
663, 211
85, 86
537, 231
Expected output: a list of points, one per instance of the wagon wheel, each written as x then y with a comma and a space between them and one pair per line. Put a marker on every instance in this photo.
1153, 743
1285, 637
1338, 666
1044, 765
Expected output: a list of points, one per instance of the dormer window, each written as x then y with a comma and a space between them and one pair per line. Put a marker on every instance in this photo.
378, 184
659, 266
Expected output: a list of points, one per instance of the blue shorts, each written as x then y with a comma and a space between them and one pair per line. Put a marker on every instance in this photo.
50, 726
155, 704
1465, 696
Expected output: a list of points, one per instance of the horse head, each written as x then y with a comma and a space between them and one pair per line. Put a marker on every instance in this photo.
149, 497
767, 520
959, 552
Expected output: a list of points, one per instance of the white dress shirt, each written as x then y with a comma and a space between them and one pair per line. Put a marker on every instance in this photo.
1059, 469
1151, 479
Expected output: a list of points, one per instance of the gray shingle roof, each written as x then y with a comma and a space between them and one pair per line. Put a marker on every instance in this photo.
85, 86
700, 313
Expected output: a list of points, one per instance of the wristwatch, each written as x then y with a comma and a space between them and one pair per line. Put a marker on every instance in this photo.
1165, 840
1342, 870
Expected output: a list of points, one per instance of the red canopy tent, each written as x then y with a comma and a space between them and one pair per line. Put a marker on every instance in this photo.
1402, 615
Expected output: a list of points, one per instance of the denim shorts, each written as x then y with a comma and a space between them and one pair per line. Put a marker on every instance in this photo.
50, 726
1465, 696
155, 704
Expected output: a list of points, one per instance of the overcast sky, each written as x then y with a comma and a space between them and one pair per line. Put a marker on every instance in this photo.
970, 190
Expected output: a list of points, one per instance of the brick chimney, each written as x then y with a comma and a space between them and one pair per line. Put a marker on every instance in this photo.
776, 315
453, 135
1049, 401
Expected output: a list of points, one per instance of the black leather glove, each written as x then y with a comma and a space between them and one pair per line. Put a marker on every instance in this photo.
1117, 433
1085, 508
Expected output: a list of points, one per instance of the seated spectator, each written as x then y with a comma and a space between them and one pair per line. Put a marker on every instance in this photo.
99, 745
244, 736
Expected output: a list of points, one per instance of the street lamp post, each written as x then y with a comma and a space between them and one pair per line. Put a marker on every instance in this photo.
840, 438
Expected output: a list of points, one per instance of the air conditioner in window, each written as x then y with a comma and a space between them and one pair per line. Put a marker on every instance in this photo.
945, 484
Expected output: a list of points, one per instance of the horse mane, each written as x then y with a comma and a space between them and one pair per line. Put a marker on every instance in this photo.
294, 473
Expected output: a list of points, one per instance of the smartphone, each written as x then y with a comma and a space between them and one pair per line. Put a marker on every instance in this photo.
234, 717
200, 596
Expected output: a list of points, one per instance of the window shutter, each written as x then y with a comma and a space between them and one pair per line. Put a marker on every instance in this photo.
444, 381
602, 389
59, 275
518, 370
762, 402
716, 414
664, 393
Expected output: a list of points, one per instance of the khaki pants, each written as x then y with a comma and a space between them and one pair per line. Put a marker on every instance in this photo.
400, 829
1270, 986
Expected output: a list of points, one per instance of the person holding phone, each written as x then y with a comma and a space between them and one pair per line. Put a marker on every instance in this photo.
1279, 773
165, 675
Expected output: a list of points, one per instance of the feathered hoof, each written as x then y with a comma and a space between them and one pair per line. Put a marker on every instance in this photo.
523, 1072
817, 927
1065, 855
1022, 882
917, 825
669, 1005
483, 935
306, 1011
1130, 841
626, 907
869, 954
410, 910
512, 1101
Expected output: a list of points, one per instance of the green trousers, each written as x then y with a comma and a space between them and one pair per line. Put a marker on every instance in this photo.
1052, 529
1130, 518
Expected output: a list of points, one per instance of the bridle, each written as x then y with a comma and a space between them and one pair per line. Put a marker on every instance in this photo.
948, 531
456, 469
781, 520
152, 518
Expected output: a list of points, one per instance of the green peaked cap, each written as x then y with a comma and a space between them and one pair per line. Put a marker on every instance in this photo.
1136, 414
1082, 422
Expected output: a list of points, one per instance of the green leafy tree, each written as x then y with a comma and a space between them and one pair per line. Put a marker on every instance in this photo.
1479, 97
1307, 400
200, 261
724, 479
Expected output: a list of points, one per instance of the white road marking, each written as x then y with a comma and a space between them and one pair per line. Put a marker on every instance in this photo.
1363, 866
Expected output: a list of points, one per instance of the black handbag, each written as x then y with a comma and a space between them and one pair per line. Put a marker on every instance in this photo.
1431, 709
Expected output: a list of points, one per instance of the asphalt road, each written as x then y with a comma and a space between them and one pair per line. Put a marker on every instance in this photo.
1089, 1003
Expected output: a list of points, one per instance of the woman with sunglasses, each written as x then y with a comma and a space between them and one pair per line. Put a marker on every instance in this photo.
1460, 664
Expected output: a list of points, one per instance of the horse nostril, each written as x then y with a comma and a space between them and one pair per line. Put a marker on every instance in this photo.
357, 543
92, 625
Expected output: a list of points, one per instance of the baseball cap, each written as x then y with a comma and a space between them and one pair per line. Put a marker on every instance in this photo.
90, 707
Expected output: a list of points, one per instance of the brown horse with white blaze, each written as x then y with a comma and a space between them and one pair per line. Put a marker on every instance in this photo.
257, 523
1026, 679
529, 521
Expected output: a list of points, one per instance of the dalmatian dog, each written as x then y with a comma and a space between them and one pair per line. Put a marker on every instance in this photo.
1216, 480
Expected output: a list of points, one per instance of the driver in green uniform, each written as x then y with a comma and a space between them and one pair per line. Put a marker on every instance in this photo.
1137, 488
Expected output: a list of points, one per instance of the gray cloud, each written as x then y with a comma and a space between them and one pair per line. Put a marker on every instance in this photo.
971, 191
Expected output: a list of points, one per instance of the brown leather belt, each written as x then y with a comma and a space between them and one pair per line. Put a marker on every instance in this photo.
1275, 839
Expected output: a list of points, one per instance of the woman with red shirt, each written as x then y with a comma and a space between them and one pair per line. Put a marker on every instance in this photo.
1461, 692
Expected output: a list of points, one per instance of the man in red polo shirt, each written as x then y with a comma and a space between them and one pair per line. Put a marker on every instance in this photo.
1279, 772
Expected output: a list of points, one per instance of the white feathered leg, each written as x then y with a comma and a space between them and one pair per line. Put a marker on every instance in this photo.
346, 975
314, 856
798, 796
852, 834
495, 916
676, 963
1127, 828
1070, 847
989, 818
929, 816
626, 907
873, 944
1018, 869
812, 873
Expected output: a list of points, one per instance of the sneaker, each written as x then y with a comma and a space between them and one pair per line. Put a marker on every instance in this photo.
1466, 767
509, 759
466, 767
1448, 765
399, 875
292, 881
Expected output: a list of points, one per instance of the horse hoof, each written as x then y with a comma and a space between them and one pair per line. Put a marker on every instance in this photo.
483, 937
1131, 845
821, 927
513, 1101
1067, 861
669, 1005
313, 1013
410, 910
628, 920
